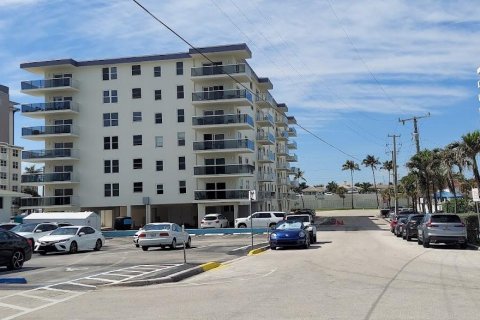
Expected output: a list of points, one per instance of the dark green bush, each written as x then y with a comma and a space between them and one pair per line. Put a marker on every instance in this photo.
463, 206
471, 222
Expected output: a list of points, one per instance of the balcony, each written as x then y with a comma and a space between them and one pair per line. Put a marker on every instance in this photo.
264, 120
266, 195
292, 132
265, 177
228, 170
235, 97
265, 138
265, 100
282, 181
231, 145
283, 166
292, 158
41, 87
282, 135
282, 151
294, 170
281, 121
49, 155
238, 121
241, 72
54, 131
266, 157
292, 145
39, 110
61, 202
221, 195
37, 179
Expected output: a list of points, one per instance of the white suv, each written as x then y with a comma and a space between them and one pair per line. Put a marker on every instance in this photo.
263, 219
308, 221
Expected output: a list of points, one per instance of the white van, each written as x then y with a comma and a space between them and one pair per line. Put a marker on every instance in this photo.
261, 219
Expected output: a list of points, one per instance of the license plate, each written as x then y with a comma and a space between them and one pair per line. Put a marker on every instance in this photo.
151, 235
209, 223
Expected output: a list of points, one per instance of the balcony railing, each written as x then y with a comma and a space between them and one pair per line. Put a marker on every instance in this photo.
47, 177
50, 106
48, 83
282, 135
267, 137
38, 202
265, 99
50, 130
292, 158
222, 95
283, 166
282, 181
230, 69
292, 145
222, 119
221, 194
223, 144
264, 119
266, 156
266, 177
224, 169
281, 120
266, 195
282, 151
292, 132
51, 153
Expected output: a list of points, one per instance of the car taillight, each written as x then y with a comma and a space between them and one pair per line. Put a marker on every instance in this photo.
203, 221
30, 242
430, 225
216, 221
142, 235
163, 234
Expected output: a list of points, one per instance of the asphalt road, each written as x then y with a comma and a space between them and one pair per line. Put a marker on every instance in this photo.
359, 271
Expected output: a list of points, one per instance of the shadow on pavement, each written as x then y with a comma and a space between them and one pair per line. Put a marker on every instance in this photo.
347, 223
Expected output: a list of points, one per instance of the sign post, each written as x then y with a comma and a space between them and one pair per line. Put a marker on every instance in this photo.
252, 196
476, 198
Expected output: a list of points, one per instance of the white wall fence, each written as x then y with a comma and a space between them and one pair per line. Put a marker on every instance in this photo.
360, 201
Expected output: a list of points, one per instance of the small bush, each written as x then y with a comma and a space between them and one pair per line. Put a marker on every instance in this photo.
471, 222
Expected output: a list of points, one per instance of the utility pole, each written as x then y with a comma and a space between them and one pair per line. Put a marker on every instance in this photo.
415, 128
394, 160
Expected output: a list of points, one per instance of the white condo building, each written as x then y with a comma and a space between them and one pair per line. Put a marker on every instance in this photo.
159, 138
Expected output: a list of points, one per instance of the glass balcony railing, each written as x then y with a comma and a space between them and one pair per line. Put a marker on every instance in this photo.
224, 169
283, 134
292, 158
52, 153
47, 177
283, 166
50, 106
264, 117
221, 194
266, 136
48, 83
265, 98
292, 132
292, 144
222, 119
231, 69
222, 95
282, 151
223, 144
48, 201
47, 130
266, 156
266, 177
281, 119
266, 195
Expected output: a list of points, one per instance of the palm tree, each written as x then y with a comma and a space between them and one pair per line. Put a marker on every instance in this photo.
332, 186
299, 175
448, 160
341, 193
372, 162
352, 166
32, 169
388, 165
420, 165
365, 187
471, 147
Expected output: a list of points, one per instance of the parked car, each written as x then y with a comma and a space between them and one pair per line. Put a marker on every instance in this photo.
164, 234
306, 211
262, 219
442, 228
214, 220
70, 239
34, 230
14, 250
409, 230
289, 234
8, 225
307, 221
135, 237
399, 225
394, 220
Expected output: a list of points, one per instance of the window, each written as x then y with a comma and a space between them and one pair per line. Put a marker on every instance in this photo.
15, 165
110, 96
180, 92
15, 153
109, 73
110, 119
158, 117
158, 94
182, 186
3, 187
137, 163
111, 166
181, 115
111, 189
136, 70
3, 175
159, 165
137, 116
137, 140
157, 71
159, 188
179, 68
181, 138
181, 163
138, 187
15, 176
3, 163
136, 93
159, 142
15, 188
3, 150
110, 143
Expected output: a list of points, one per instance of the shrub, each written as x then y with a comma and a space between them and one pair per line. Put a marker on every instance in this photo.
471, 222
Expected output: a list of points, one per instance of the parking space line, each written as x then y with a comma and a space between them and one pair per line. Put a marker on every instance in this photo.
76, 284
101, 279
12, 306
37, 297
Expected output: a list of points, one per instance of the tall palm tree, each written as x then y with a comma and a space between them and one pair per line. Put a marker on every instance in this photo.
388, 165
352, 166
419, 164
448, 159
471, 146
332, 186
372, 162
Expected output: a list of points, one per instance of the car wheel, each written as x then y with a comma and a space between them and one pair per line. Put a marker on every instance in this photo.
242, 225
407, 236
314, 239
307, 244
162, 247
17, 260
173, 246
463, 245
273, 248
42, 253
426, 243
73, 248
419, 241
137, 245
189, 243
98, 245
144, 248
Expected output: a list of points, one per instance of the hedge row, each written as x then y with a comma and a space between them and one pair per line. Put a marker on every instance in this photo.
471, 222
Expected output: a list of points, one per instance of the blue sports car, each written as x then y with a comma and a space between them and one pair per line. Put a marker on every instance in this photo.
289, 234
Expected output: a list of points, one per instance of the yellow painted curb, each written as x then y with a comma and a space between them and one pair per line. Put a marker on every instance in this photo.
210, 265
256, 251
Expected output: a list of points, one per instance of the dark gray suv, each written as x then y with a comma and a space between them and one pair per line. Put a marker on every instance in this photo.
442, 228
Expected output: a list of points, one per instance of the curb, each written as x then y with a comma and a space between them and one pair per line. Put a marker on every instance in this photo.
473, 246
173, 277
13, 280
257, 251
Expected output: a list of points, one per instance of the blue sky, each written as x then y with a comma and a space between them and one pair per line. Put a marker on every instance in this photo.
348, 70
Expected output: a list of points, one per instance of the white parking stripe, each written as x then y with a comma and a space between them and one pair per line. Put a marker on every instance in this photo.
36, 297
11, 306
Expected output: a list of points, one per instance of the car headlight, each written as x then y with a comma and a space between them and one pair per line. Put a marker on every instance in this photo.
273, 236
301, 234
63, 240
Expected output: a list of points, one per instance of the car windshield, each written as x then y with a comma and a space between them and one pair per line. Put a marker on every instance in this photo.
210, 218
298, 218
289, 225
64, 231
402, 220
416, 218
149, 227
446, 219
27, 227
